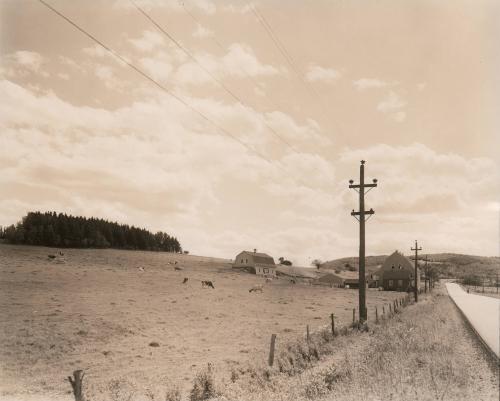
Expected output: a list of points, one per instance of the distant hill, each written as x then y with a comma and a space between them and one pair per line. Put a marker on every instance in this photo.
446, 264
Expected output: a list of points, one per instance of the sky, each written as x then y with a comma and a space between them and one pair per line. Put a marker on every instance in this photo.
237, 125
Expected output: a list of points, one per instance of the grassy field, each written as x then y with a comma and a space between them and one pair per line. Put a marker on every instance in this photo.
96, 311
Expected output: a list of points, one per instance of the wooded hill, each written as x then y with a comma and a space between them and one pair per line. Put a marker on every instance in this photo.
61, 230
446, 264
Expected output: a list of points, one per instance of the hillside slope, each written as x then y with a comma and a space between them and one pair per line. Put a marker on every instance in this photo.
446, 264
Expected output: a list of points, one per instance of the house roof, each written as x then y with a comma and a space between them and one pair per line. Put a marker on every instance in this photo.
396, 259
260, 257
403, 267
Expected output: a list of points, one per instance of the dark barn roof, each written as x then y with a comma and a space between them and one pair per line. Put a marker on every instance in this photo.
261, 258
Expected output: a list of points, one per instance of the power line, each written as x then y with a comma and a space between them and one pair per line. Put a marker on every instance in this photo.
287, 56
193, 58
221, 47
163, 88
152, 80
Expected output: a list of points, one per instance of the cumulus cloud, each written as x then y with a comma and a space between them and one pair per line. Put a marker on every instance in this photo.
423, 194
369, 83
159, 67
316, 73
23, 62
239, 61
148, 41
390, 103
202, 32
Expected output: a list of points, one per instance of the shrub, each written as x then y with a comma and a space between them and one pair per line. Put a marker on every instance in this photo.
203, 385
173, 394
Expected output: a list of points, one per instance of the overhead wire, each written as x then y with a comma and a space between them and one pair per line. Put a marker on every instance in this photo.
166, 90
288, 57
208, 72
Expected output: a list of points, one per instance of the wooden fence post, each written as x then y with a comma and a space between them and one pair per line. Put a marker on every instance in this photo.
271, 350
390, 310
353, 315
333, 325
77, 384
383, 310
376, 315
307, 333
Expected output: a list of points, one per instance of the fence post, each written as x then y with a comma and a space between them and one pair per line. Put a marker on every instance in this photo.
376, 315
77, 384
383, 310
271, 350
353, 315
390, 310
307, 333
333, 325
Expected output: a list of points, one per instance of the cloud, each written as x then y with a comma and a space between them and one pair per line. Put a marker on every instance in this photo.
317, 73
392, 105
442, 199
23, 62
369, 83
148, 41
239, 61
159, 67
202, 32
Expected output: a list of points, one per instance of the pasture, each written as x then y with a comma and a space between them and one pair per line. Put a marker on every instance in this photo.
127, 314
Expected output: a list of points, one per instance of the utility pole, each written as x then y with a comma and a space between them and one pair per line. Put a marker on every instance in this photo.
360, 188
415, 289
425, 278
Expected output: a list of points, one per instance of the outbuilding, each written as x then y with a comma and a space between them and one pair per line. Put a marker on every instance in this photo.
257, 262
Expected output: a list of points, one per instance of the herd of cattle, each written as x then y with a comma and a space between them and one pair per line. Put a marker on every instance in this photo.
210, 284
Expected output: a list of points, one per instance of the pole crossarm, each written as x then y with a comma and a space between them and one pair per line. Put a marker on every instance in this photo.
362, 185
371, 211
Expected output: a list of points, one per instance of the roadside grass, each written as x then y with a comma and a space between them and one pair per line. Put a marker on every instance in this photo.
414, 356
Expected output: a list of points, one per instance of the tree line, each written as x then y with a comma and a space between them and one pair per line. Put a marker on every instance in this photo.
60, 230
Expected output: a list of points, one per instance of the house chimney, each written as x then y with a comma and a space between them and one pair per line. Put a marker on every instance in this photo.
254, 250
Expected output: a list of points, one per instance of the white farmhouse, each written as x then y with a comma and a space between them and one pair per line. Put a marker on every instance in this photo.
260, 263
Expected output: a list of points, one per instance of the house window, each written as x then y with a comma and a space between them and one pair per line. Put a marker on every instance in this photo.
391, 282
266, 271
400, 283
241, 260
400, 267
246, 260
393, 266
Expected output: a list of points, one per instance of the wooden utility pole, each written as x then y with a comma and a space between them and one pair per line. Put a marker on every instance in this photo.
360, 188
425, 279
416, 249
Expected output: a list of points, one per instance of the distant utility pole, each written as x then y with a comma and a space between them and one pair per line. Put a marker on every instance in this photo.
360, 188
415, 289
425, 279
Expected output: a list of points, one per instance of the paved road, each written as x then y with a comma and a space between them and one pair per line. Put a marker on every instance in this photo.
482, 312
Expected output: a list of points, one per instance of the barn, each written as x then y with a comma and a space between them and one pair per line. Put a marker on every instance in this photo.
397, 273
257, 262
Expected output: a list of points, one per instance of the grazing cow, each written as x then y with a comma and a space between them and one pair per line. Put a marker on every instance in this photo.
293, 281
207, 284
52, 256
269, 280
185, 280
255, 288
175, 262
178, 268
